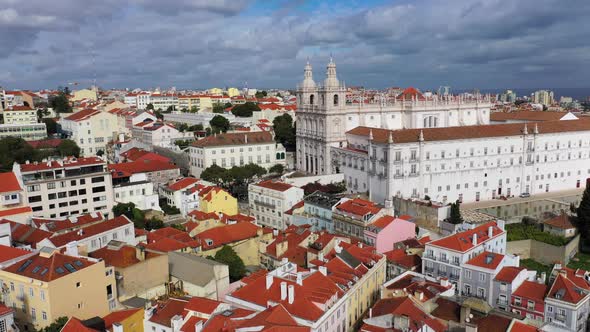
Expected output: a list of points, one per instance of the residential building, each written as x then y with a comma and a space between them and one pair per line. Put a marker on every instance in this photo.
447, 256
199, 221
89, 94
20, 115
243, 237
186, 314
135, 188
352, 216
22, 235
324, 116
401, 314
507, 96
529, 300
543, 97
157, 172
387, 230
216, 199
91, 129
268, 200
69, 186
507, 281
63, 225
560, 226
567, 302
137, 272
236, 149
183, 194
93, 237
406, 256
131, 99
291, 244
469, 163
12, 198
158, 134
317, 211
36, 288
7, 318
126, 320
28, 132
211, 282
414, 285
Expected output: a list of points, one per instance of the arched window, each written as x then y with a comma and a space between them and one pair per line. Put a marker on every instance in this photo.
323, 99
282, 155
335, 100
311, 99
278, 155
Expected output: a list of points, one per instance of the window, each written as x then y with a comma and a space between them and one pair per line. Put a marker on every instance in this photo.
467, 274
482, 277
44, 315
78, 284
42, 295
98, 179
98, 189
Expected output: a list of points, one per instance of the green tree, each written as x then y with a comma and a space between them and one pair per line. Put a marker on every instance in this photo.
219, 124
194, 109
227, 255
218, 108
215, 174
100, 153
455, 217
60, 102
227, 105
68, 148
51, 126
149, 106
56, 326
245, 110
180, 227
254, 170
14, 149
41, 113
170, 109
277, 168
154, 223
583, 214
284, 131
261, 94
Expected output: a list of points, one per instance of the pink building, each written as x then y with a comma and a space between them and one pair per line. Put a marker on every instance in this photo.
387, 230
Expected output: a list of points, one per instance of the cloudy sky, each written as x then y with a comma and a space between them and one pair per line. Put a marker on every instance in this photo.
205, 43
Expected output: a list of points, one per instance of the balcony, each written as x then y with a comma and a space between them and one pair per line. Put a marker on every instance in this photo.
443, 259
430, 256
453, 276
265, 204
502, 301
456, 262
429, 269
560, 318
414, 174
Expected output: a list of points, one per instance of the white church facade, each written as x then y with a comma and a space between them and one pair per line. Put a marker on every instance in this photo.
324, 116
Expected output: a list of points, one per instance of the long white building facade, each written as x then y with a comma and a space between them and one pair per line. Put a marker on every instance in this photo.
324, 116
468, 163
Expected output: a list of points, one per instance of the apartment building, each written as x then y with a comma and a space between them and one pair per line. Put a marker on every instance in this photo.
13, 203
447, 256
69, 186
183, 194
317, 212
50, 285
91, 129
157, 133
528, 300
28, 132
469, 163
268, 200
20, 115
7, 314
236, 149
353, 216
136, 189
158, 172
567, 303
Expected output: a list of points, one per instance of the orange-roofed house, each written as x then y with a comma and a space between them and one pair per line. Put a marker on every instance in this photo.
352, 216
183, 194
567, 301
199, 221
7, 314
21, 115
91, 129
269, 200
129, 320
447, 256
560, 225
387, 230
218, 200
508, 280
12, 199
243, 237
51, 285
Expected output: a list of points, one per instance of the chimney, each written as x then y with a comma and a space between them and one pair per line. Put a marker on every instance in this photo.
321, 256
543, 277
299, 279
147, 314
72, 249
361, 245
140, 254
269, 279
370, 312
557, 266
275, 232
474, 239
490, 231
176, 323
199, 326
444, 282
516, 260
121, 137
338, 249
323, 270
419, 295
245, 139
283, 291
117, 327
291, 294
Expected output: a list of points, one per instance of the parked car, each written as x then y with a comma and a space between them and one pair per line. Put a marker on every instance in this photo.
525, 195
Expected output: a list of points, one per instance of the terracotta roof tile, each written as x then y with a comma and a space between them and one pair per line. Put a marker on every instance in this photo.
359, 207
463, 241
121, 258
235, 139
531, 290
142, 166
48, 268
63, 239
527, 116
9, 253
183, 184
9, 183
220, 236
562, 221
82, 115
486, 259
274, 185
118, 316
508, 273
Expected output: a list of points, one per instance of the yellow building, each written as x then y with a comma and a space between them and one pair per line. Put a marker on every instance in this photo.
50, 285
199, 221
215, 199
130, 319
233, 92
85, 94
215, 91
20, 115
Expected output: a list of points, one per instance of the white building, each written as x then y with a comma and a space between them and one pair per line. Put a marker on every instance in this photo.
269, 200
20, 115
28, 132
182, 194
158, 134
131, 99
324, 116
71, 186
91, 130
136, 189
236, 149
543, 97
469, 163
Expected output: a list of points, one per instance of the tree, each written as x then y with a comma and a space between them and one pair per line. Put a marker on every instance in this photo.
60, 102
277, 168
130, 211
51, 126
14, 149
56, 326
219, 124
261, 94
149, 106
180, 227
455, 217
285, 131
41, 113
227, 255
218, 108
254, 170
215, 174
170, 109
68, 148
154, 223
583, 214
100, 153
245, 110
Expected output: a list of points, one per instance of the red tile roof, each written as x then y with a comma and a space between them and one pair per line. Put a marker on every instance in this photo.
9, 183
121, 258
15, 211
410, 285
469, 132
487, 260
508, 273
82, 115
404, 306
135, 154
463, 241
18, 108
118, 316
48, 268
262, 137
531, 290
383, 222
521, 327
75, 325
200, 215
142, 166
562, 221
26, 234
527, 116
76, 235
61, 164
189, 326
274, 317
166, 310
202, 305
183, 184
274, 185
359, 207
9, 253
45, 143
399, 257
228, 234
168, 245
410, 93
57, 225
4, 309
565, 289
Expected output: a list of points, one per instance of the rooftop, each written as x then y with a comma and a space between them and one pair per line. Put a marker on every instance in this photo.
9, 183
92, 230
487, 260
227, 139
43, 268
274, 185
359, 207
562, 221
464, 241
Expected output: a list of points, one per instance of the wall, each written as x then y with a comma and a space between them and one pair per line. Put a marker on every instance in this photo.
143, 276
134, 323
424, 214
543, 252
322, 179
